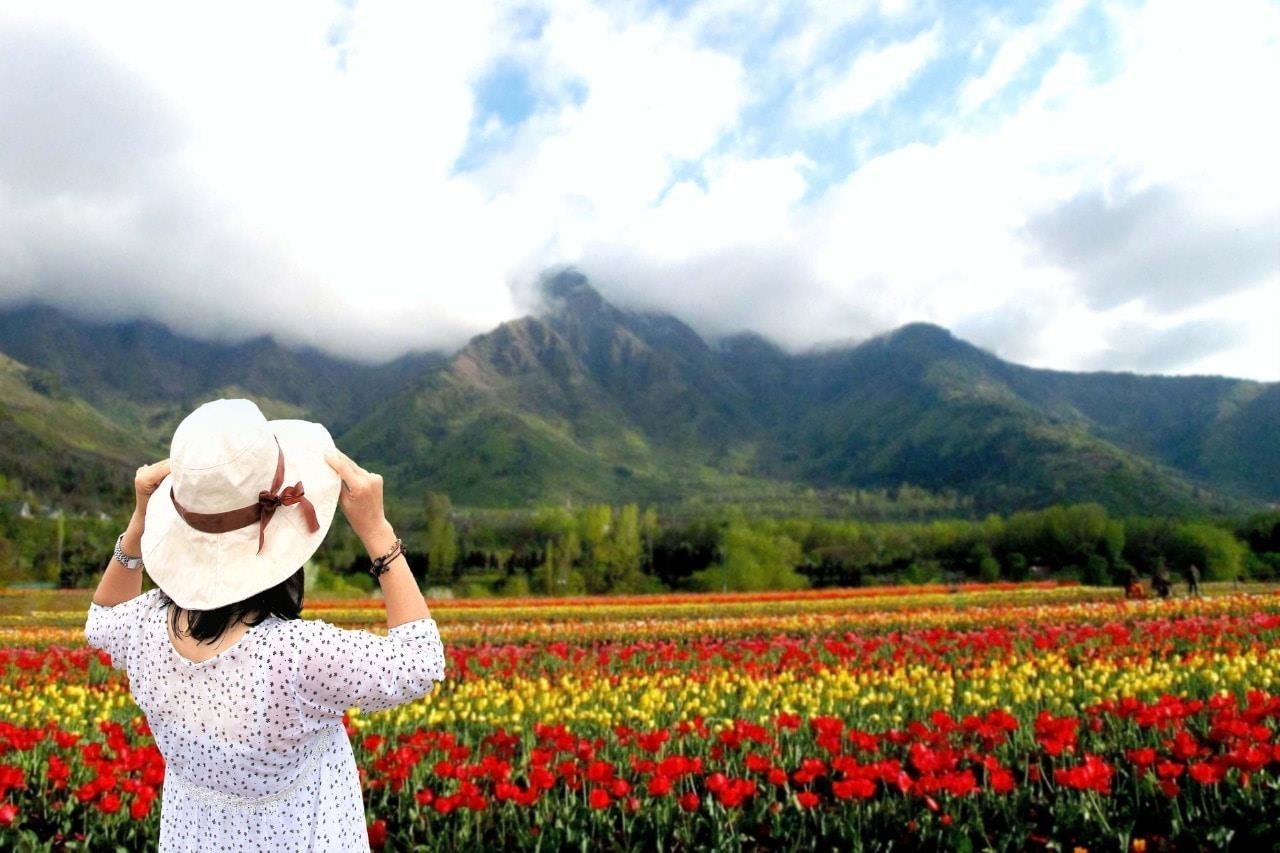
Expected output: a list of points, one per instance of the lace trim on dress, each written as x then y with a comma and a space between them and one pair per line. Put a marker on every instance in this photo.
242, 803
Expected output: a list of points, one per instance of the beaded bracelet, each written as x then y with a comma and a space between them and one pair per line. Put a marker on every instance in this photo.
382, 565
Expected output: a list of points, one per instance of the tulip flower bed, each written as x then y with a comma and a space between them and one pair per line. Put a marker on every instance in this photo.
988, 718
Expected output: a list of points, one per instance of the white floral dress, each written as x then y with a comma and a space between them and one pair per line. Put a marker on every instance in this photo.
256, 756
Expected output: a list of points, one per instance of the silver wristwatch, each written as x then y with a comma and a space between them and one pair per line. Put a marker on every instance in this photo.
130, 563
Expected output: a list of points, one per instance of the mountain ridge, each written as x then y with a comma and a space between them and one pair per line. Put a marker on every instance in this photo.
584, 400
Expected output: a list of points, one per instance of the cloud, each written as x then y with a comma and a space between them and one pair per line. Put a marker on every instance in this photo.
1154, 245
383, 176
1017, 48
876, 75
236, 199
738, 288
1142, 348
74, 123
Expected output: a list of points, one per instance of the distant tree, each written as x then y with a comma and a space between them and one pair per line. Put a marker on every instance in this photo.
1018, 570
923, 572
550, 569
1216, 551
514, 586
753, 560
649, 530
624, 571
9, 571
595, 527
441, 538
1096, 571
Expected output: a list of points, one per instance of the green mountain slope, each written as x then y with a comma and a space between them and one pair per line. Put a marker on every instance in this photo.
58, 446
919, 406
543, 409
588, 401
145, 376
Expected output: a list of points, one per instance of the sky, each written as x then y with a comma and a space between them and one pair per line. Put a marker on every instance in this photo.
1072, 184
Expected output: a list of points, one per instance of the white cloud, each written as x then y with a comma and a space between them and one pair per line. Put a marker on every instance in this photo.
234, 172
1017, 48
934, 231
877, 75
820, 25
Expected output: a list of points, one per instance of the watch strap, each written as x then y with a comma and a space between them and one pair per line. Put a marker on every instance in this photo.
129, 562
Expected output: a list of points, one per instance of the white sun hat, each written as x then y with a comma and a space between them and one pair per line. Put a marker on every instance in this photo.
246, 503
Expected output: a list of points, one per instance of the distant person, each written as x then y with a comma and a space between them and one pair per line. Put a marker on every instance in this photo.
1193, 580
245, 699
1161, 582
1133, 587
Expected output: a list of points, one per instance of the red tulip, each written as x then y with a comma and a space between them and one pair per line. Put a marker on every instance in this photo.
378, 833
1206, 773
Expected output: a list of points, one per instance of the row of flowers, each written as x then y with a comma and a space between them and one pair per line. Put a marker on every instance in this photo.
1087, 630
666, 607
972, 611
995, 721
1128, 769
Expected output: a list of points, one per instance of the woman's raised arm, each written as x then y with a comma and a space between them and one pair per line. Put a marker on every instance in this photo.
119, 584
361, 502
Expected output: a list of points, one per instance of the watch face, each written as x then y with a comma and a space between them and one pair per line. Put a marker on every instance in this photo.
131, 563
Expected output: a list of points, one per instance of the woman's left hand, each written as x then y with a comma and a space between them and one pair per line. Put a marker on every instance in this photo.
145, 483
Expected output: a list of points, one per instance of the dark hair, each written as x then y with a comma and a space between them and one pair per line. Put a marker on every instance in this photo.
283, 600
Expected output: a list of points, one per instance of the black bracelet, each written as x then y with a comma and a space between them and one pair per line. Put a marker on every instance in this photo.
382, 565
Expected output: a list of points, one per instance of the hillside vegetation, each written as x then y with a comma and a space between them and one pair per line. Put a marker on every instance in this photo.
588, 402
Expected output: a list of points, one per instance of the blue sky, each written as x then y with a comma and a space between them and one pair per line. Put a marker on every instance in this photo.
1073, 184
966, 37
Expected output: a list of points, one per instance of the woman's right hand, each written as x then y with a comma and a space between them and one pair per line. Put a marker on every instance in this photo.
145, 482
361, 502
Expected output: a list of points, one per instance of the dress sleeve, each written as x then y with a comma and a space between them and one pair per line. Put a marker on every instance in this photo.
340, 668
115, 629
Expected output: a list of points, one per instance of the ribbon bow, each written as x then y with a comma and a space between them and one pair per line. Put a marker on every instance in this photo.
269, 500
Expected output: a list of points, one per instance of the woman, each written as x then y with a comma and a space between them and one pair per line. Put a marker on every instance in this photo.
245, 700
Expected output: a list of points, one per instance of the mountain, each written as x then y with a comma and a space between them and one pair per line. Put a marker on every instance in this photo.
919, 406
585, 401
589, 401
148, 378
55, 444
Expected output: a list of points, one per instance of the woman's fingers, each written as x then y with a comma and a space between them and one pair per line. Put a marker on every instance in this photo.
353, 476
339, 462
148, 477
361, 500
357, 480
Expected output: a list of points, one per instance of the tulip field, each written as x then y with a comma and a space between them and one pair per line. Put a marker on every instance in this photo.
1004, 717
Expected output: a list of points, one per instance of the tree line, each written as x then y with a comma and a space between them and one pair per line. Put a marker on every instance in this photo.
603, 548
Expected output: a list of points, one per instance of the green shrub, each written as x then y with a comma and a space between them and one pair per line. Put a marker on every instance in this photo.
515, 586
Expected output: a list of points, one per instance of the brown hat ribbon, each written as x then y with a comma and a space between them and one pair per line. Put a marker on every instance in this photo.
261, 512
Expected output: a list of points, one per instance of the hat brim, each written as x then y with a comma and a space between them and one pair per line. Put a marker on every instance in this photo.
202, 571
